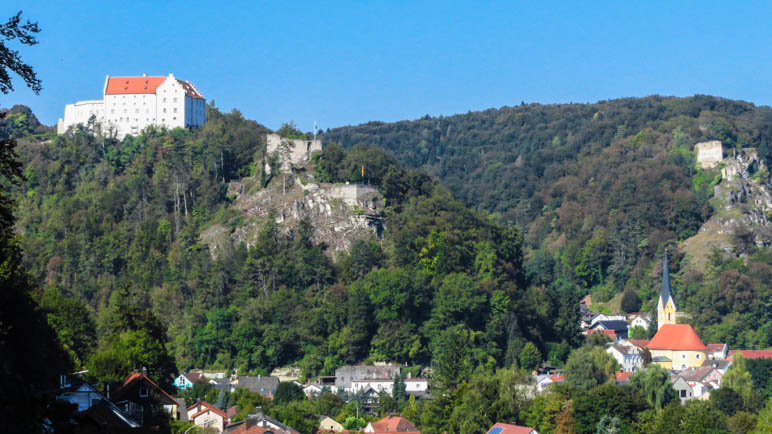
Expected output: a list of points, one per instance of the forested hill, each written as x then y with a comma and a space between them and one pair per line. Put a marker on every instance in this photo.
599, 190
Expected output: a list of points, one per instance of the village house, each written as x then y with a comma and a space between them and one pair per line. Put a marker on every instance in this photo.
617, 326
144, 401
345, 375
717, 351
259, 423
186, 381
391, 424
639, 319
206, 415
329, 424
628, 357
262, 385
506, 428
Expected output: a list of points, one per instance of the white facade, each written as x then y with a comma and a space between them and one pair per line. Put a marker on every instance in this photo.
641, 321
413, 385
377, 384
131, 104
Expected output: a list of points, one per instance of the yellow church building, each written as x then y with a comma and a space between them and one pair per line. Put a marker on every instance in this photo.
675, 346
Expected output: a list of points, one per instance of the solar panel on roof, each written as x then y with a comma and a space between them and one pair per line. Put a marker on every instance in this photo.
496, 430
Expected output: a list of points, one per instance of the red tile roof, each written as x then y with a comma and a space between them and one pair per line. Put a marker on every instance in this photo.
192, 376
556, 378
640, 343
393, 424
132, 85
623, 376
676, 337
752, 354
511, 429
209, 407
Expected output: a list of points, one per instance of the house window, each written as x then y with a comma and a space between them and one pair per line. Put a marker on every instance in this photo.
683, 394
164, 100
164, 110
143, 392
698, 356
175, 99
683, 356
683, 366
175, 109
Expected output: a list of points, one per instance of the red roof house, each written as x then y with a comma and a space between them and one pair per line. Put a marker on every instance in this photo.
391, 424
506, 428
751, 354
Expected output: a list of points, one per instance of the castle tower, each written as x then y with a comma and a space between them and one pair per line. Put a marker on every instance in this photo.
666, 308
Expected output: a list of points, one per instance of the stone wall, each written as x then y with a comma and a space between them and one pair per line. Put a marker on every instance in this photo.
298, 151
709, 154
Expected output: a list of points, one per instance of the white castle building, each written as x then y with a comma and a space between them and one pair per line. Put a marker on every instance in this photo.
133, 103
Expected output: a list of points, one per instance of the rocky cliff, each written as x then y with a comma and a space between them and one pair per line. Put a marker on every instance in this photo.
340, 213
742, 205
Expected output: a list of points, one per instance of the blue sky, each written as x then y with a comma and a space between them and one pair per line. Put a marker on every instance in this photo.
341, 63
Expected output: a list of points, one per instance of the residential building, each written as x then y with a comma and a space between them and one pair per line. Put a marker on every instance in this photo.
640, 320
506, 428
313, 389
416, 386
618, 326
629, 357
345, 375
259, 423
683, 389
131, 104
265, 386
186, 381
718, 351
666, 308
329, 424
144, 401
677, 346
391, 424
206, 415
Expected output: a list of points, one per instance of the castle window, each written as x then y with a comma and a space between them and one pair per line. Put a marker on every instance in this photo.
164, 109
164, 100
175, 110
683, 356
175, 99
698, 356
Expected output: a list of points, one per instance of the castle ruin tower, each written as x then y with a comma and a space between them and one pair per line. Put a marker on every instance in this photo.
666, 308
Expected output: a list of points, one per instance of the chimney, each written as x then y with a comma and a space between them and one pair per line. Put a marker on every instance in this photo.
144, 371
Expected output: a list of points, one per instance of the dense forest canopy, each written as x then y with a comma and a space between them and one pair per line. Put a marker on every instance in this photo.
599, 190
572, 199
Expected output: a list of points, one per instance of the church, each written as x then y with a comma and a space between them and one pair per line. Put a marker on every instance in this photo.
675, 346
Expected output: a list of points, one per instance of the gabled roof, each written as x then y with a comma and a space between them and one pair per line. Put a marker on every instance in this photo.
612, 324
640, 343
205, 406
696, 374
262, 385
676, 337
134, 379
751, 354
132, 85
623, 377
716, 347
392, 424
192, 376
505, 428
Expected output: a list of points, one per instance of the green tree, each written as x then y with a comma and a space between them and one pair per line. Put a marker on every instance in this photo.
588, 367
702, 417
589, 407
529, 357
631, 302
741, 423
738, 378
10, 61
655, 386
727, 400
287, 392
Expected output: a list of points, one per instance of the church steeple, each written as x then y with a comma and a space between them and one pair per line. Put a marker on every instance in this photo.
666, 308
664, 293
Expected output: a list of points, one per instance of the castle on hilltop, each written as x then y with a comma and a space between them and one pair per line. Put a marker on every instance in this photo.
130, 104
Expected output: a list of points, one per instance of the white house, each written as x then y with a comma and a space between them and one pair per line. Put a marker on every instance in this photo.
416, 385
130, 104
377, 384
604, 317
627, 356
640, 320
312, 389
206, 415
